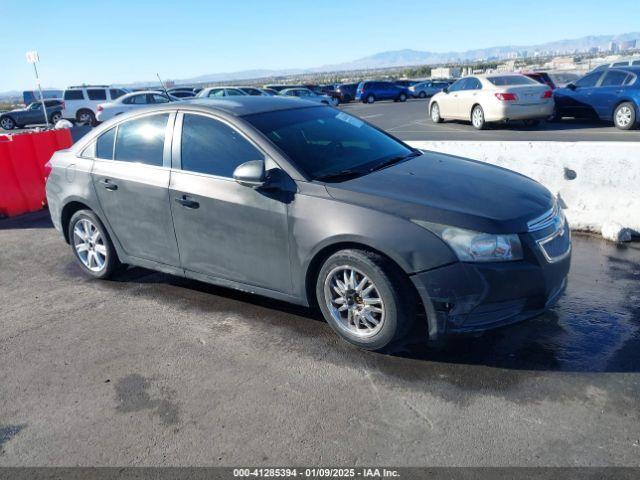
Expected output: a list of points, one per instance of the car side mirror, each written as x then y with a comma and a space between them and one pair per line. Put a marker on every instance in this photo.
571, 86
250, 174
445, 89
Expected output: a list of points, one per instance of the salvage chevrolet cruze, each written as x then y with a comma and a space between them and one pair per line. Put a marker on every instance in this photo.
310, 205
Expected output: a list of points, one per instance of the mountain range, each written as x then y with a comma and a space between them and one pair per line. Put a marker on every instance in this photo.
409, 57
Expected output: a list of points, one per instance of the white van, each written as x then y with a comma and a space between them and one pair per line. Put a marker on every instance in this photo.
81, 103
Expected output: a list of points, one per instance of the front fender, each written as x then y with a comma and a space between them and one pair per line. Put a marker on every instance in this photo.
317, 223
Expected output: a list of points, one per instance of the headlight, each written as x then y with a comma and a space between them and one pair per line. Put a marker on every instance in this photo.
472, 246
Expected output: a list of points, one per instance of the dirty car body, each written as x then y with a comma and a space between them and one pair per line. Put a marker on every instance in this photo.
475, 246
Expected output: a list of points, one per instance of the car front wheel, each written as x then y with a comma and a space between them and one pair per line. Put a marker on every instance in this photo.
371, 99
91, 245
56, 117
624, 116
435, 113
365, 299
402, 97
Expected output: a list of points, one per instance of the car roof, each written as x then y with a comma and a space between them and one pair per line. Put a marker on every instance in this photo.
631, 68
247, 105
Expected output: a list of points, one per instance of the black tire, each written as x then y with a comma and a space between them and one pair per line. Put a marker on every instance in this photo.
86, 117
477, 118
422, 94
531, 123
111, 261
624, 116
402, 97
435, 117
7, 123
391, 286
55, 117
370, 99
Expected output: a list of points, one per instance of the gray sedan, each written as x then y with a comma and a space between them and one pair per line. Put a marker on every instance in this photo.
427, 89
32, 115
304, 203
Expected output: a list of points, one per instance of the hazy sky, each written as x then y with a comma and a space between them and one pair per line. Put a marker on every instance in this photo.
123, 41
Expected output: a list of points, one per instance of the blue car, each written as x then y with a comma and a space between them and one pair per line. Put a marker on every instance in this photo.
370, 91
611, 95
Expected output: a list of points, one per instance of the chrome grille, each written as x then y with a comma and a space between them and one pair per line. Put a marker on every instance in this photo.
543, 221
556, 245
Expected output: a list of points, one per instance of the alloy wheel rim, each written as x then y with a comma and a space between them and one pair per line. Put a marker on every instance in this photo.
56, 118
85, 118
435, 113
623, 116
354, 301
89, 245
477, 117
7, 123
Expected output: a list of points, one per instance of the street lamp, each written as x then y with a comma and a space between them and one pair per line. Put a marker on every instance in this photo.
33, 58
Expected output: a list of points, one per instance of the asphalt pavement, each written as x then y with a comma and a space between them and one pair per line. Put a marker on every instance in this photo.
409, 121
152, 369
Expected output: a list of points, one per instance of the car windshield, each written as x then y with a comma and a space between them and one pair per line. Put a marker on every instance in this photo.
327, 144
509, 80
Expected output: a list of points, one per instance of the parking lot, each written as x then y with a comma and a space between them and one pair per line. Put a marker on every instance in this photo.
409, 121
150, 369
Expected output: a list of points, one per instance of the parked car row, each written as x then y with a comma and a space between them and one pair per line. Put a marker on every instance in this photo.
611, 94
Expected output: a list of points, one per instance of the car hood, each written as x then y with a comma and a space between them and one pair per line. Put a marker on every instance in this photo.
450, 190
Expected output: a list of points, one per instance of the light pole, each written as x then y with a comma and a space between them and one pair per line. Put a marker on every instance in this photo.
33, 58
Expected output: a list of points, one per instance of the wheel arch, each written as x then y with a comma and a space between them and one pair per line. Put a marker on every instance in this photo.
318, 259
68, 211
626, 100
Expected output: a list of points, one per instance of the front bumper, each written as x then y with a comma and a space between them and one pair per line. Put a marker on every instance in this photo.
469, 297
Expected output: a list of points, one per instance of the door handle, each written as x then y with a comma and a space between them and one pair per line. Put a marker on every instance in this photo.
187, 202
108, 184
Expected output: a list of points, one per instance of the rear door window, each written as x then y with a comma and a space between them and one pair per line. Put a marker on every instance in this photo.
97, 94
142, 140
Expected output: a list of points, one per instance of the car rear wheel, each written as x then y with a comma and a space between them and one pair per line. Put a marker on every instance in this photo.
91, 245
7, 123
477, 118
435, 113
403, 97
370, 99
624, 116
422, 94
365, 299
86, 117
56, 117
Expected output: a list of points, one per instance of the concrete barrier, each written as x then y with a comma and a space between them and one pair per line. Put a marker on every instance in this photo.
598, 183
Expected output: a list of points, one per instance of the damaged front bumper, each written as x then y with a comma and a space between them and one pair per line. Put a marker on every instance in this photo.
469, 297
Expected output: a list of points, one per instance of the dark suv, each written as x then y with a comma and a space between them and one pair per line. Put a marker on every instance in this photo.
369, 92
346, 92
32, 115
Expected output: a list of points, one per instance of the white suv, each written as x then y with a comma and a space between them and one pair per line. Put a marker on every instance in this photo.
81, 103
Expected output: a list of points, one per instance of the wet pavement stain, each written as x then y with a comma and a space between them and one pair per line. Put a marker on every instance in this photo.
594, 328
133, 396
7, 432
